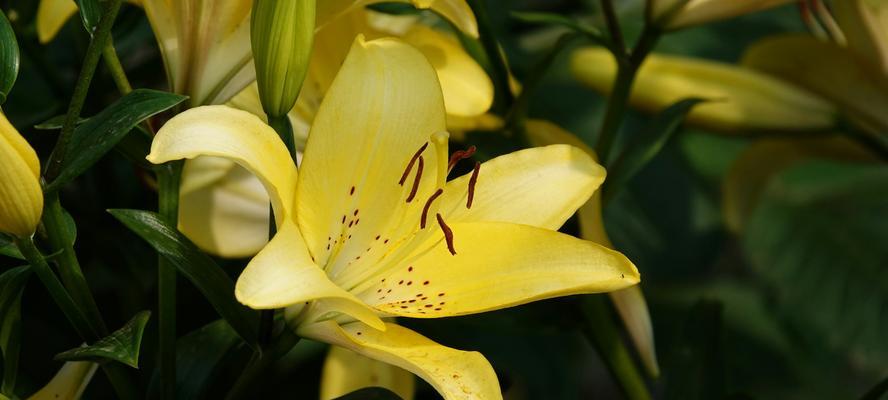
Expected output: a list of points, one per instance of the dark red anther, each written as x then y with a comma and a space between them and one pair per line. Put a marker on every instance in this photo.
459, 155
473, 180
416, 181
448, 234
410, 164
425, 209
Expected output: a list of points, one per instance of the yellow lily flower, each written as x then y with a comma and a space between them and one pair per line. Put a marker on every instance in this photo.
865, 26
237, 209
51, 16
741, 99
676, 14
372, 229
345, 371
69, 383
21, 199
629, 302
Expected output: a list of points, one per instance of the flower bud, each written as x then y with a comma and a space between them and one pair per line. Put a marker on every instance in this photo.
675, 14
282, 34
21, 199
740, 99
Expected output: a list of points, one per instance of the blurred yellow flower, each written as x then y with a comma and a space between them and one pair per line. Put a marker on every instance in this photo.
69, 383
372, 228
21, 199
676, 14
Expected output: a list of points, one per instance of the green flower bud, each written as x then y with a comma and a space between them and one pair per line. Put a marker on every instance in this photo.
281, 34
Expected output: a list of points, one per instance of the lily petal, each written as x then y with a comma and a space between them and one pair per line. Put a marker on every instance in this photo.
223, 208
222, 131
69, 382
540, 186
865, 23
453, 373
457, 12
346, 371
283, 274
384, 105
51, 17
497, 265
468, 91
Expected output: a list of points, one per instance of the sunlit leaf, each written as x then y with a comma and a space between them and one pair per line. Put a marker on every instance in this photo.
199, 268
121, 345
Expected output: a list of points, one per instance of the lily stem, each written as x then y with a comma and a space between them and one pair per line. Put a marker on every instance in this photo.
112, 62
495, 57
281, 125
81, 88
168, 178
618, 102
605, 336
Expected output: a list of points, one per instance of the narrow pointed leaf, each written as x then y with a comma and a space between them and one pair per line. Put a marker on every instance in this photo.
370, 393
647, 144
199, 268
12, 284
121, 345
200, 354
9, 58
95, 137
90, 13
56, 123
8, 249
541, 18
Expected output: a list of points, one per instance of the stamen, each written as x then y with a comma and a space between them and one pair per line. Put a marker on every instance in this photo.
410, 164
472, 181
448, 234
416, 181
460, 155
425, 209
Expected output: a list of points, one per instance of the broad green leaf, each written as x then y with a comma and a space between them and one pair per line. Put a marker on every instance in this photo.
90, 13
817, 236
8, 249
541, 18
370, 393
647, 144
199, 268
200, 354
696, 370
121, 345
56, 122
95, 137
12, 284
9, 58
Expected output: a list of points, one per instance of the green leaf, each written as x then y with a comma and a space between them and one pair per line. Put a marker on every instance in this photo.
121, 345
95, 137
12, 285
877, 392
817, 236
9, 58
696, 368
90, 13
8, 249
647, 144
370, 393
541, 18
56, 122
199, 268
199, 356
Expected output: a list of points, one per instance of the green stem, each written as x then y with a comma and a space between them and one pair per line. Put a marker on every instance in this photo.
500, 70
168, 178
618, 101
604, 334
281, 125
62, 241
109, 55
81, 88
613, 25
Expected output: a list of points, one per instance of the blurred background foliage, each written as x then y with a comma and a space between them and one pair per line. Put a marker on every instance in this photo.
793, 307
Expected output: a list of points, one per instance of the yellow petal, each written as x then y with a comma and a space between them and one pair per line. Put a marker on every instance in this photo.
496, 265
540, 186
223, 208
697, 12
69, 383
865, 25
455, 374
284, 273
51, 17
753, 169
346, 371
858, 87
459, 126
248, 100
384, 105
743, 100
468, 91
222, 131
629, 302
21, 198
457, 12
